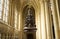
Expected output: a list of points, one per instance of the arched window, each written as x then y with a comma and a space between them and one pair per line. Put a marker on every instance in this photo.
1, 2
6, 9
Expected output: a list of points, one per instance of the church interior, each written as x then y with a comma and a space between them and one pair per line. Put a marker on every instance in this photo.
29, 19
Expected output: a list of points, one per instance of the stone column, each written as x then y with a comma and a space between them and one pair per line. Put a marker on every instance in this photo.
38, 25
57, 7
55, 19
48, 23
21, 25
43, 26
10, 11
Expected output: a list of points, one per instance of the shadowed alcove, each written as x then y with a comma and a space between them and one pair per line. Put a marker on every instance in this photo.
29, 22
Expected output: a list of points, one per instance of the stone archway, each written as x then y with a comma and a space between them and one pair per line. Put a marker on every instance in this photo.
29, 22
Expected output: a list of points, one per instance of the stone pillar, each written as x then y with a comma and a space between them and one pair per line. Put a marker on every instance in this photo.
21, 25
57, 7
43, 26
55, 19
10, 11
48, 23
38, 25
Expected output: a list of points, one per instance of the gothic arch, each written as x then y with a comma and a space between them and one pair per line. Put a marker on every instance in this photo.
32, 3
27, 7
29, 12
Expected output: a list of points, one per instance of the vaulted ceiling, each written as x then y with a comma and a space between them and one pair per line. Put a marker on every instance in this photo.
22, 3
